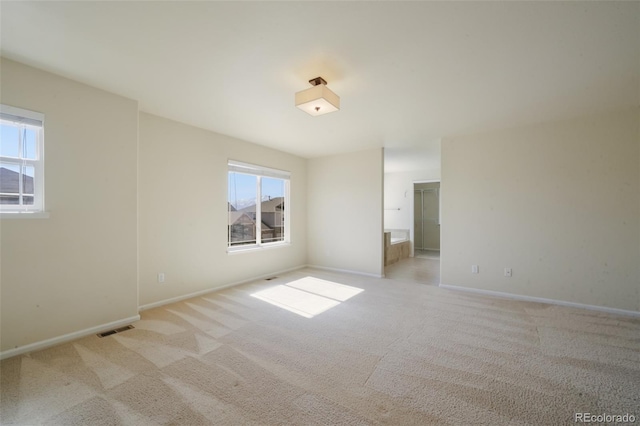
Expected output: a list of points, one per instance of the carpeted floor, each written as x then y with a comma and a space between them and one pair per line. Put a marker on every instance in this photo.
348, 350
415, 269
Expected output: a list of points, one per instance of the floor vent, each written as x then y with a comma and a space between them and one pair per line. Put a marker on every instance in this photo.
117, 330
270, 278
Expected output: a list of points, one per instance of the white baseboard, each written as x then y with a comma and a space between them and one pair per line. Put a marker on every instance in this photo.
345, 271
542, 300
67, 337
212, 289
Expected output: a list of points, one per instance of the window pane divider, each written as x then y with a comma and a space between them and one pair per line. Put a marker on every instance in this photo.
259, 211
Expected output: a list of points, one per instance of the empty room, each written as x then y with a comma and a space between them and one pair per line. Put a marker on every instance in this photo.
301, 213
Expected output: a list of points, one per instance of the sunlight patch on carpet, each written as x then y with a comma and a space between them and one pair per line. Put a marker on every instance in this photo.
307, 296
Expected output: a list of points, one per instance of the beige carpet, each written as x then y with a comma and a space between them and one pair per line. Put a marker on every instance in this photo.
397, 353
415, 269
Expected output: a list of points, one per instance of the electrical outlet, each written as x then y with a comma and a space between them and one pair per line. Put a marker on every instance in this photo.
475, 269
507, 272
161, 277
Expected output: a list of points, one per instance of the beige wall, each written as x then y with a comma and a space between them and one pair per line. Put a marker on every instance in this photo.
183, 210
77, 269
345, 212
558, 202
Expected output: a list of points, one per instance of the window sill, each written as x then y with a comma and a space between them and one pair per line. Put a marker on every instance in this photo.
24, 215
239, 250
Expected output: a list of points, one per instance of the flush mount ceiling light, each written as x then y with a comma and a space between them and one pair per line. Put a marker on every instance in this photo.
317, 100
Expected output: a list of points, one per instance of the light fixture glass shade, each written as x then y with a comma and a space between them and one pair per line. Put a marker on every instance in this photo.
317, 100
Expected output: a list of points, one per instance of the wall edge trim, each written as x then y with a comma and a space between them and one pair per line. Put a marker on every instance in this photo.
524, 298
346, 271
198, 293
43, 344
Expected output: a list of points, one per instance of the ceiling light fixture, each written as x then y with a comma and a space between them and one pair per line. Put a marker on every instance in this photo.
317, 100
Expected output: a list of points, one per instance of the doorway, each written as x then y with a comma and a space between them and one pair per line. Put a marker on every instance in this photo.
426, 219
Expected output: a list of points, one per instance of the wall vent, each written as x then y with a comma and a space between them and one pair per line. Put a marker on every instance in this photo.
114, 331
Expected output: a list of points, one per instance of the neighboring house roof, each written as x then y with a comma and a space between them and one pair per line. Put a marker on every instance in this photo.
272, 212
239, 218
272, 205
230, 207
9, 182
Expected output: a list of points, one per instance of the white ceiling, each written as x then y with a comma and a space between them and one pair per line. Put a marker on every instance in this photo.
408, 73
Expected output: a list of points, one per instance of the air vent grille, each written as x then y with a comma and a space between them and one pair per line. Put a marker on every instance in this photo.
114, 331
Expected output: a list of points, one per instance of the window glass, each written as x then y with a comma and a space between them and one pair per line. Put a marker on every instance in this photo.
9, 184
256, 205
29, 144
21, 161
9, 178
242, 208
273, 191
9, 140
28, 175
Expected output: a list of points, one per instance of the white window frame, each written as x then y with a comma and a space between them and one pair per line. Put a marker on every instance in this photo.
35, 120
260, 172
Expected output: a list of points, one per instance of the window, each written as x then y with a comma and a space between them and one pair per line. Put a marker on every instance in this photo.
21, 160
257, 206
